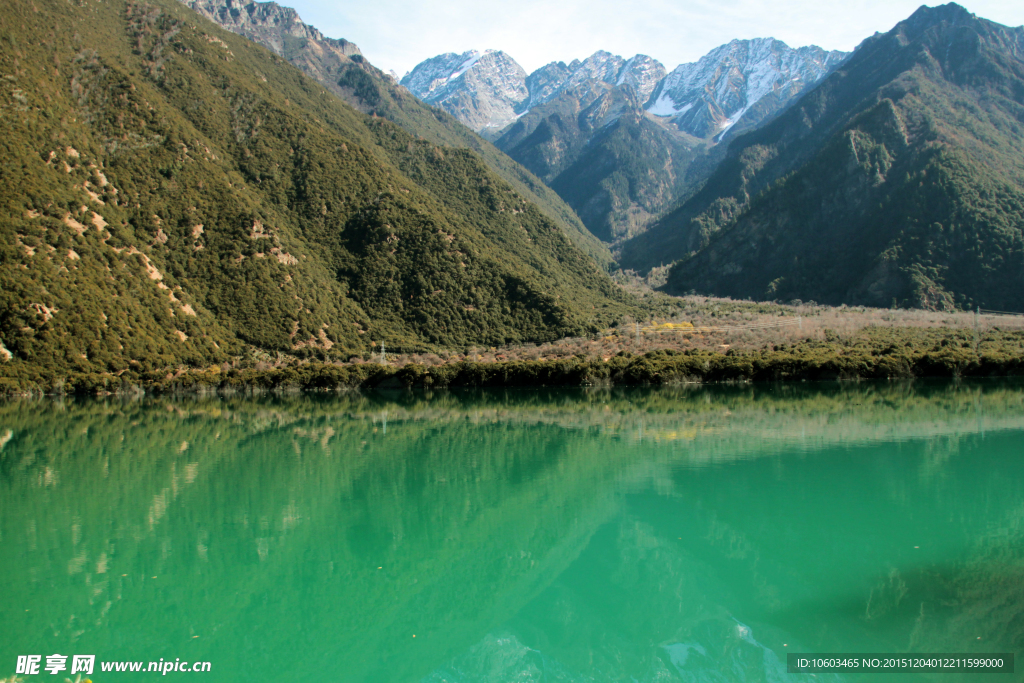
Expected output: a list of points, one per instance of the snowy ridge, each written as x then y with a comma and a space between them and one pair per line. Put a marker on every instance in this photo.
711, 95
467, 65
641, 72
482, 89
489, 90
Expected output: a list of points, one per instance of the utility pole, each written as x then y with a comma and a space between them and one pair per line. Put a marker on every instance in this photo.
383, 357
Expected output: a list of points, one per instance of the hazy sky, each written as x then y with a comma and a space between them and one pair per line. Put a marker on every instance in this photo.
398, 34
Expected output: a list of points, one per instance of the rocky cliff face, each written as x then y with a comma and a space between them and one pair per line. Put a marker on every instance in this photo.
483, 90
281, 30
269, 24
745, 80
488, 90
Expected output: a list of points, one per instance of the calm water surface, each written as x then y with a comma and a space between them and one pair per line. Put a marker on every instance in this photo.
648, 535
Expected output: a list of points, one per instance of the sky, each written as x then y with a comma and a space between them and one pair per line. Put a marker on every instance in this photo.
398, 34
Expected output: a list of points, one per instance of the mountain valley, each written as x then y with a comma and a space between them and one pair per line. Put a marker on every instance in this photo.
197, 183
338, 65
891, 176
896, 182
620, 139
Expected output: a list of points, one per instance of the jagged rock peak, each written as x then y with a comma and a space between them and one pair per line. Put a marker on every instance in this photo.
268, 24
712, 94
488, 90
641, 72
435, 78
482, 89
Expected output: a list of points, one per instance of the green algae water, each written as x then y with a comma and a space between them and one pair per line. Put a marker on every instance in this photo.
489, 537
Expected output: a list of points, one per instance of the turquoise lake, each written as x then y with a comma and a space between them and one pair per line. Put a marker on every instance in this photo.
679, 534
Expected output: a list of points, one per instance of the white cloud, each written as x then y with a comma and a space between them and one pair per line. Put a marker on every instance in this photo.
398, 34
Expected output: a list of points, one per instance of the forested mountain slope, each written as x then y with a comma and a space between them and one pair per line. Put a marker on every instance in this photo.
173, 193
898, 179
340, 68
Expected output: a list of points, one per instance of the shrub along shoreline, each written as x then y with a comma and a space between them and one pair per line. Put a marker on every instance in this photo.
894, 354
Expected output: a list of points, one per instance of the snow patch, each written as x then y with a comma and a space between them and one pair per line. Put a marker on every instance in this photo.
468, 64
666, 106
731, 121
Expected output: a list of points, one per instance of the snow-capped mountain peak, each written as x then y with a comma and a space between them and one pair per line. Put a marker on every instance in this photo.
711, 95
482, 89
488, 90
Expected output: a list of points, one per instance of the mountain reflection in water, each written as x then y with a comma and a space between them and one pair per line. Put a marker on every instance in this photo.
693, 534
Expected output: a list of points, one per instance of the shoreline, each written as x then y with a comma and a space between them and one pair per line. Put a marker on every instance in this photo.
806, 361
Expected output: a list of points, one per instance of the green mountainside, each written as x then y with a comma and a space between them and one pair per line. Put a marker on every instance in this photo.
339, 67
374, 93
898, 180
617, 175
173, 192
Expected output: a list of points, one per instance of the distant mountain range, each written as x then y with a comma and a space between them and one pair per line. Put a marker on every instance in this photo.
488, 90
898, 180
620, 139
889, 176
